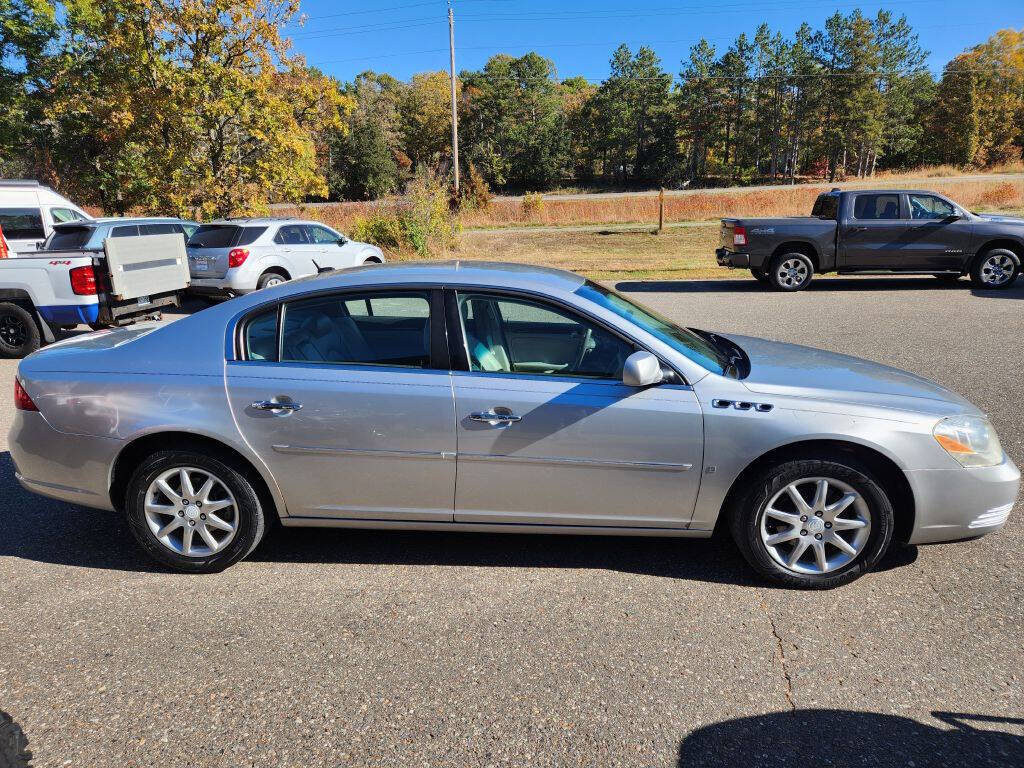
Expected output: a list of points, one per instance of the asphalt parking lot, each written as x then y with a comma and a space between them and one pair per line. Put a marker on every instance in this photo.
385, 649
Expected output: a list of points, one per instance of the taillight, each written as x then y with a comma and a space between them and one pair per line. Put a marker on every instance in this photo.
739, 236
83, 281
3, 245
21, 399
237, 256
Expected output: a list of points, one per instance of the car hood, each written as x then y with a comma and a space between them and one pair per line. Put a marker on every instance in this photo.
1015, 220
789, 369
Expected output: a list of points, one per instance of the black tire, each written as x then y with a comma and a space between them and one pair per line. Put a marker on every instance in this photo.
19, 334
993, 266
249, 518
759, 274
98, 326
798, 277
268, 279
748, 510
14, 751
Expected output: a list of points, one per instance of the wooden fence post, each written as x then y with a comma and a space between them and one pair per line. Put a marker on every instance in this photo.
661, 210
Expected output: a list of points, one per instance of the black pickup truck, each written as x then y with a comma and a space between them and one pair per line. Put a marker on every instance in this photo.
906, 232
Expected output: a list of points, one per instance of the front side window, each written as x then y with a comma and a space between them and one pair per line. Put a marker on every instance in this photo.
321, 235
513, 335
159, 229
62, 215
876, 207
682, 340
930, 207
378, 328
22, 223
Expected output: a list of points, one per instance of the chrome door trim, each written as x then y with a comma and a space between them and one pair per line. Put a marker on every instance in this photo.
648, 466
327, 451
416, 525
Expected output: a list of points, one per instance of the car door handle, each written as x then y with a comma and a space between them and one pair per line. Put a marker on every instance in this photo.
273, 405
851, 230
496, 417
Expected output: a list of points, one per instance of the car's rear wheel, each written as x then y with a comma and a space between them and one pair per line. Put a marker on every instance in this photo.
813, 524
19, 334
194, 512
791, 272
995, 268
270, 279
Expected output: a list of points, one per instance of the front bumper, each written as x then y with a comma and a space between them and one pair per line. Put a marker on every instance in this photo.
730, 259
964, 503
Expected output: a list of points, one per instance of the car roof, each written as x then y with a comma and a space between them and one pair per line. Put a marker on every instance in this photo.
485, 274
119, 220
265, 221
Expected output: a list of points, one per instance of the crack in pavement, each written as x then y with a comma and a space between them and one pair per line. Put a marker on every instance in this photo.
782, 658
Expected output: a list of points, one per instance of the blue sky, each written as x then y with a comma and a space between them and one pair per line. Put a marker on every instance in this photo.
407, 36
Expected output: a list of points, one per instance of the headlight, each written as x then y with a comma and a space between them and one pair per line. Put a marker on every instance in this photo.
971, 440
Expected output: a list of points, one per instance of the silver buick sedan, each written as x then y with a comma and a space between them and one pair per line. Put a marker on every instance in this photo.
495, 397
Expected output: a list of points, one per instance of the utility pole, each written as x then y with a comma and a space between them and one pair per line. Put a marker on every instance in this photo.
455, 112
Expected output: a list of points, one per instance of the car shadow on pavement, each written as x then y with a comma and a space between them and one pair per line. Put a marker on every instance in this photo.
45, 530
920, 283
837, 737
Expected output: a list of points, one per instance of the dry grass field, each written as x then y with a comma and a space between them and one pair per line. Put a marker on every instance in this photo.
994, 194
679, 253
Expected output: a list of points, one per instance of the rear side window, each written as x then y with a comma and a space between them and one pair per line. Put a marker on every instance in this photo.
261, 336
249, 235
214, 236
67, 238
323, 330
22, 223
125, 230
159, 229
882, 207
292, 234
826, 207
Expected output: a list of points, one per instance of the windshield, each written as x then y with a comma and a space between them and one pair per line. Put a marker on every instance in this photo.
682, 340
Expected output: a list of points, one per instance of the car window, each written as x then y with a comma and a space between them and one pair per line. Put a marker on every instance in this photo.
930, 207
213, 236
125, 230
188, 228
158, 229
67, 238
291, 234
249, 235
22, 223
513, 335
261, 336
323, 235
62, 215
826, 207
885, 206
324, 330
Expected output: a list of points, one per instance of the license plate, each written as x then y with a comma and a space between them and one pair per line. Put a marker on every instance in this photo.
201, 266
142, 300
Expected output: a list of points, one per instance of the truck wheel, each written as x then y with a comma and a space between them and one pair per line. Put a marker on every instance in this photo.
995, 268
791, 272
759, 274
19, 334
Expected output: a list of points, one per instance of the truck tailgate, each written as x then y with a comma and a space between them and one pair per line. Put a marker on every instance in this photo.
146, 265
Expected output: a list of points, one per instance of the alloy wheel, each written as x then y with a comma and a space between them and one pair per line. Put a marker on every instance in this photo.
13, 331
815, 525
191, 512
997, 269
792, 273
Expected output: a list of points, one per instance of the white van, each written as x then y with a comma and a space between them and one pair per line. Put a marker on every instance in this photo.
28, 212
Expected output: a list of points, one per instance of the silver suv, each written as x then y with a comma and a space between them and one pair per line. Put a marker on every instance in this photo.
235, 256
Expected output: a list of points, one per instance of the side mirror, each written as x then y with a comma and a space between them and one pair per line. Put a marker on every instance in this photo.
642, 369
342, 240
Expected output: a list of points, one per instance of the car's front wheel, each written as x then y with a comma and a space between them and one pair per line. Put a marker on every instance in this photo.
791, 272
194, 512
996, 268
813, 524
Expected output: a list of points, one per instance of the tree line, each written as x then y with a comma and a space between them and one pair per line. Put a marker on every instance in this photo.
201, 107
